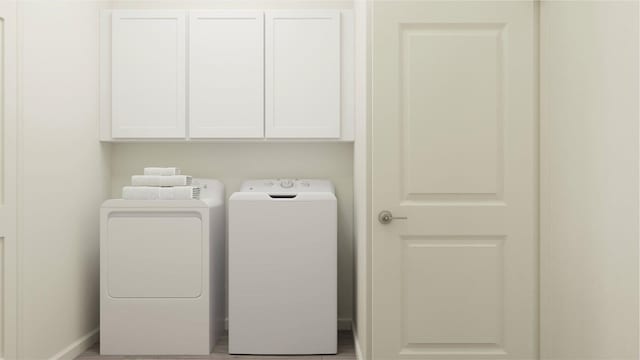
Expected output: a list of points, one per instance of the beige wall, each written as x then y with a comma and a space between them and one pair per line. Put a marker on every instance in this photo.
234, 162
589, 180
63, 175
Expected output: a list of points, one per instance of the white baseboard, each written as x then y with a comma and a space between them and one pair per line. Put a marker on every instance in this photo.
343, 324
77, 347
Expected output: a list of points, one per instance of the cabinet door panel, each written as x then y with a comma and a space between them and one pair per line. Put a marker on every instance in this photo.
226, 72
302, 75
148, 74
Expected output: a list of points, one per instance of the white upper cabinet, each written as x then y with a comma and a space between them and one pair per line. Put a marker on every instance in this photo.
303, 74
148, 74
226, 74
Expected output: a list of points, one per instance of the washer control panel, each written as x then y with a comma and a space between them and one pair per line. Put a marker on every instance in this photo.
287, 186
286, 183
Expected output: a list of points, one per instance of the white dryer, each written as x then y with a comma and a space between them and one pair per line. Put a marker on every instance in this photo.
162, 274
283, 268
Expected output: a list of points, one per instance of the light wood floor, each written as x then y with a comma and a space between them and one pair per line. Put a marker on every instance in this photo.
346, 351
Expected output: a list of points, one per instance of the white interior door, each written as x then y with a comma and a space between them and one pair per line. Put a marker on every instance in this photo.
454, 144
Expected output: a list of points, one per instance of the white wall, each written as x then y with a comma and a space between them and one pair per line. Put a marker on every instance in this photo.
589, 180
63, 174
233, 162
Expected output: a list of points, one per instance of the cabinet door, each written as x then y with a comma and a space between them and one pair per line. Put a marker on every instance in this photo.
226, 72
148, 74
302, 74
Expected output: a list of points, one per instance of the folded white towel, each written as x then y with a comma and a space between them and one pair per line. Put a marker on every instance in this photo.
160, 180
166, 171
160, 193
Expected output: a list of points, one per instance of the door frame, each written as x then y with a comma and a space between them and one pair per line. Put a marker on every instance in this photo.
8, 212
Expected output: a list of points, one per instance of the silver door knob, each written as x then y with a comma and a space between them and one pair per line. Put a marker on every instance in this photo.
385, 217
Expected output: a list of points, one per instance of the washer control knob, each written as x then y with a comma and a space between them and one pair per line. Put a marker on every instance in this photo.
287, 183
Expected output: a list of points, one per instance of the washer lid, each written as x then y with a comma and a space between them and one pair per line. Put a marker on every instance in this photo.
287, 186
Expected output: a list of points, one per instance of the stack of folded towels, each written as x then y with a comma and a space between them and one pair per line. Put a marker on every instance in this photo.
161, 184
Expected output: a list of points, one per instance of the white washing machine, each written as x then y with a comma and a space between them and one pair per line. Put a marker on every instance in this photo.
283, 268
162, 274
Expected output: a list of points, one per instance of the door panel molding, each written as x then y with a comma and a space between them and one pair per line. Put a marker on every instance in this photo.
420, 257
455, 166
